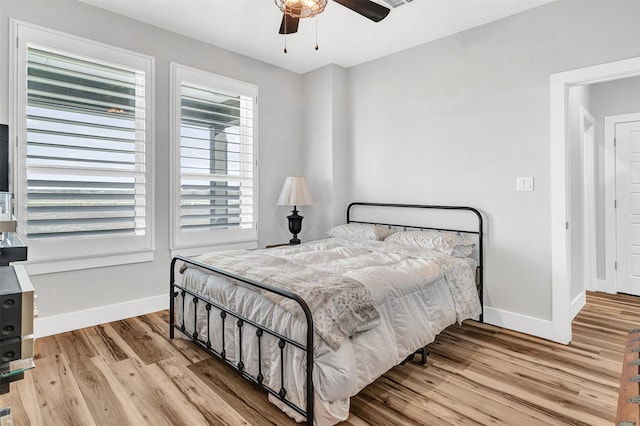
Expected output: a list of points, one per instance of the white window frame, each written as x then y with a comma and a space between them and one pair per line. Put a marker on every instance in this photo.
190, 244
49, 256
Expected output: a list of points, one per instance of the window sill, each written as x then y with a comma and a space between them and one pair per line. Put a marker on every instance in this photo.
196, 251
41, 267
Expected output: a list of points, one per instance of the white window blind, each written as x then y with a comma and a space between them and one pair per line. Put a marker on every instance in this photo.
85, 148
82, 182
214, 183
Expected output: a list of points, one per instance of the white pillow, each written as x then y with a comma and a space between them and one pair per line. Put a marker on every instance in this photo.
445, 242
360, 232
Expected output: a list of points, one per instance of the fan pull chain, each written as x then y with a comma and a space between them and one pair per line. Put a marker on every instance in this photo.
285, 32
316, 32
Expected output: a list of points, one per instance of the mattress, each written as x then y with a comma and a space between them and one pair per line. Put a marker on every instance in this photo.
417, 294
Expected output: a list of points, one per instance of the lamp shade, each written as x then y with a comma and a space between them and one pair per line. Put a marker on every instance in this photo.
295, 192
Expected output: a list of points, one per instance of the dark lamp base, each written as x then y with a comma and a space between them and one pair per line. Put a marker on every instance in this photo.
295, 226
294, 241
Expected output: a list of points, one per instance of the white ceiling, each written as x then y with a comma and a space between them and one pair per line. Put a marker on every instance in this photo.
250, 27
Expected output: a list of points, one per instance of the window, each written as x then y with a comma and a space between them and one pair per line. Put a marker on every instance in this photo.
213, 189
83, 184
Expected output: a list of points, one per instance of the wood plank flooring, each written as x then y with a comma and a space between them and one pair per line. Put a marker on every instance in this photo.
129, 373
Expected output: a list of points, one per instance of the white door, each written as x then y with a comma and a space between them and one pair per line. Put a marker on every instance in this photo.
627, 137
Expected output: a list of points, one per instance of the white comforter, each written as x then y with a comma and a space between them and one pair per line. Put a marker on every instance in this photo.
418, 293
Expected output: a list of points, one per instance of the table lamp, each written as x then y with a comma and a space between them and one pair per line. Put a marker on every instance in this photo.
295, 192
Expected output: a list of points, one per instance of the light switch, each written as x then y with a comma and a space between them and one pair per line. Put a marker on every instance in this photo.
524, 183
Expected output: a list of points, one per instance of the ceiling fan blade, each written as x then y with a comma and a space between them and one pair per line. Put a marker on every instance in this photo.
366, 8
289, 24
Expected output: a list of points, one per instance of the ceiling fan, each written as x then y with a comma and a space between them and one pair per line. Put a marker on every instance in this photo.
293, 10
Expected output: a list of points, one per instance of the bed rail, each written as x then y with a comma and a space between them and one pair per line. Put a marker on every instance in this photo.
478, 232
281, 394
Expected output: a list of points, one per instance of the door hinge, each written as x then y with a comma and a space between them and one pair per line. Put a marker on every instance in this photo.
614, 142
615, 265
566, 225
615, 204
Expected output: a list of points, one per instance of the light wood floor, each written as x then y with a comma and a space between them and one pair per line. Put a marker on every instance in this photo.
130, 373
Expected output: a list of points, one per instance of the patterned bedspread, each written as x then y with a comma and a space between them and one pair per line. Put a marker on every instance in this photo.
340, 305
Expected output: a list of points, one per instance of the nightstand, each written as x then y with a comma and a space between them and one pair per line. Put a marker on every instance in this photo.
277, 245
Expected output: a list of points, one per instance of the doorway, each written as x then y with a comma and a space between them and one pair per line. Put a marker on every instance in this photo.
561, 256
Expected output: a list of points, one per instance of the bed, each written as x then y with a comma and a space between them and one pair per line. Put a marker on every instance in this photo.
372, 284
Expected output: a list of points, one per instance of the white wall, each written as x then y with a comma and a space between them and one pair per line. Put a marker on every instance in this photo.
614, 98
326, 147
75, 298
456, 121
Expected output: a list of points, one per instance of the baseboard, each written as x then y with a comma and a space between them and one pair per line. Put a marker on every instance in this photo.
577, 304
518, 322
46, 326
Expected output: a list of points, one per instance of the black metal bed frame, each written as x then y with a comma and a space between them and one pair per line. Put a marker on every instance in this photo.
479, 233
178, 290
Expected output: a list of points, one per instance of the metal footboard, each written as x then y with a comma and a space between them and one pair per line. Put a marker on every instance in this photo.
227, 314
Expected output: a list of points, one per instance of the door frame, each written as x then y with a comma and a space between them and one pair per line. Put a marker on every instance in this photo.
560, 190
588, 198
611, 227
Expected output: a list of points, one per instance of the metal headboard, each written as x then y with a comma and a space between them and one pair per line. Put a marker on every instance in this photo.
477, 232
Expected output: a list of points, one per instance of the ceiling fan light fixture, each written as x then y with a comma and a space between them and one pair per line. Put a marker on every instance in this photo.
301, 8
